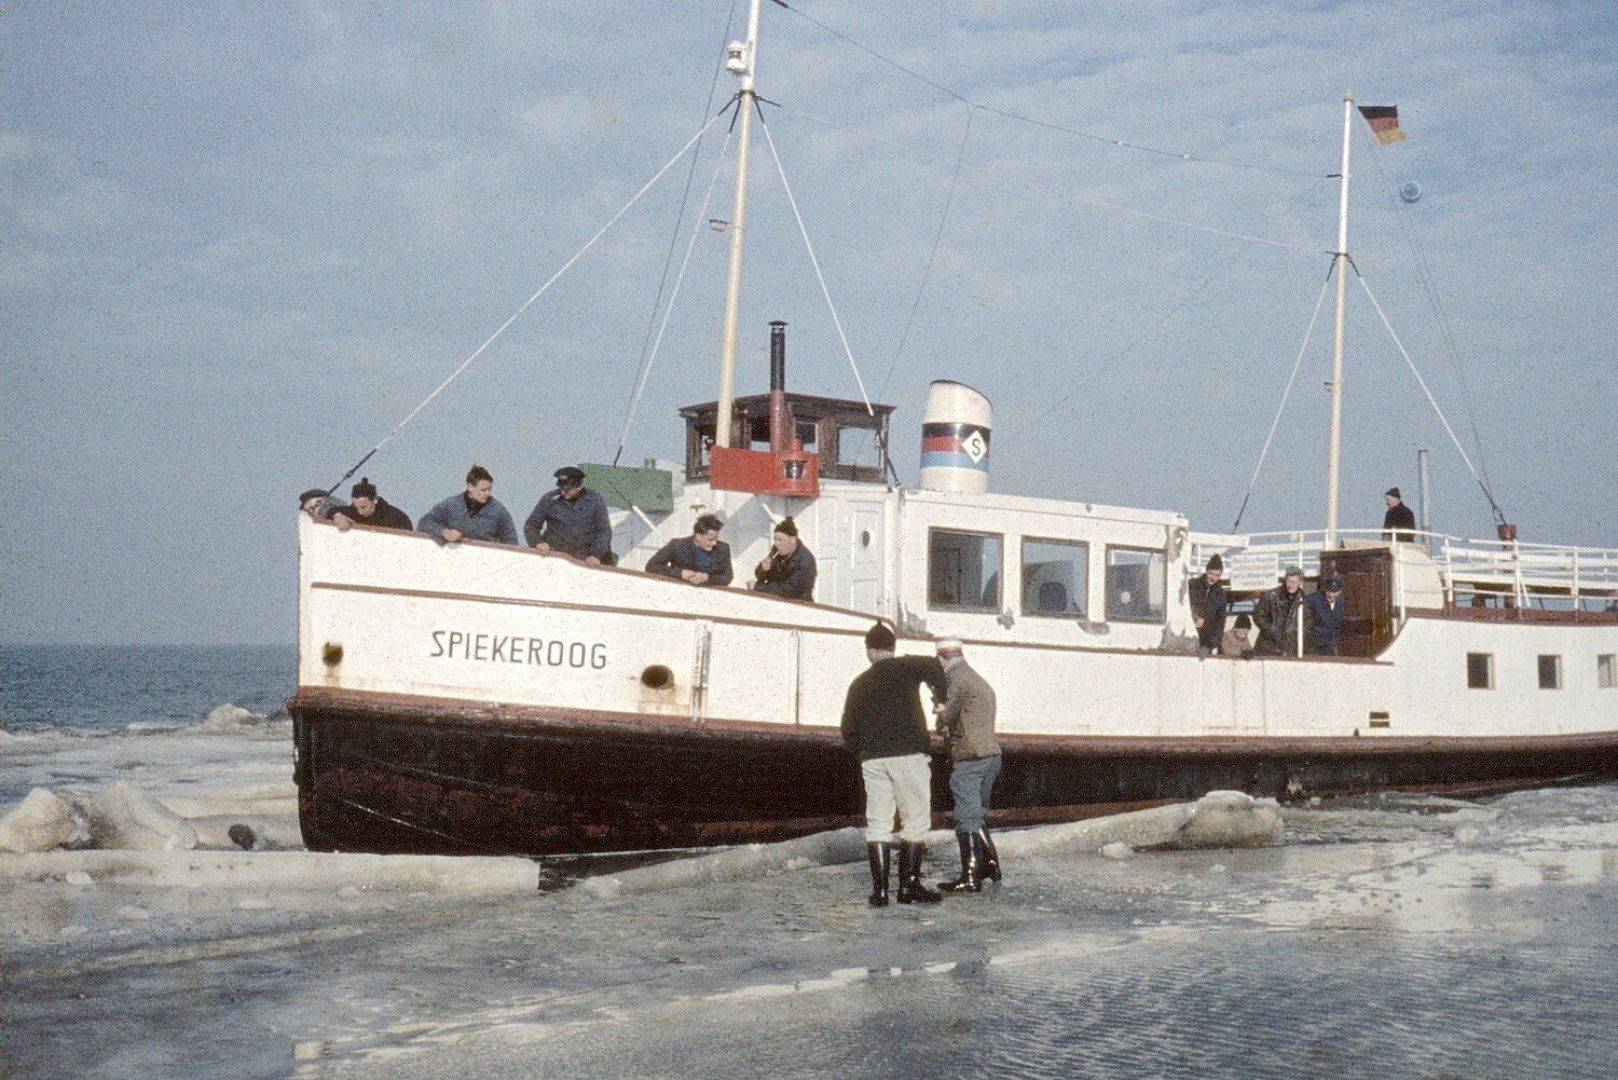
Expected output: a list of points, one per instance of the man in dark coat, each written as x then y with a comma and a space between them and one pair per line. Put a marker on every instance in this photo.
789, 569
572, 519
701, 558
1209, 604
369, 508
1323, 617
884, 727
1276, 615
1399, 523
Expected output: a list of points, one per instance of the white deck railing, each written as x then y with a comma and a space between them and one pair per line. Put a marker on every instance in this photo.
1578, 577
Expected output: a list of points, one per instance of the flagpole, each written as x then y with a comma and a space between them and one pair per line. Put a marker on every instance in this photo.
1340, 267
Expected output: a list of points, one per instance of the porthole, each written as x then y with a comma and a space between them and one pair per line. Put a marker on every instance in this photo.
332, 654
657, 677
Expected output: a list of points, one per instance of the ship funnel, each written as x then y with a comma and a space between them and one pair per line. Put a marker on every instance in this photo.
955, 439
780, 423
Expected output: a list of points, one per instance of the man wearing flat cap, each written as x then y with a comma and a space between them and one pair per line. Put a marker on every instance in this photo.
571, 520
884, 727
369, 508
1323, 617
1399, 523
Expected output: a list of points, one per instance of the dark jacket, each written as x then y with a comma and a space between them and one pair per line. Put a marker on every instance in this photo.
684, 554
387, 516
577, 527
1276, 615
1399, 523
1211, 602
882, 714
791, 576
1323, 622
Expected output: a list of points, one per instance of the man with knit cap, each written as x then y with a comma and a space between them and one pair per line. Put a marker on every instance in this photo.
1399, 523
369, 508
1209, 605
966, 718
884, 727
789, 569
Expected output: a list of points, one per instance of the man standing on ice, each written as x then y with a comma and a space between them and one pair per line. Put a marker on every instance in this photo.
884, 727
966, 718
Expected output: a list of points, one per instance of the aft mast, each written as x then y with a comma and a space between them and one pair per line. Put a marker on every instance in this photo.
1340, 259
739, 61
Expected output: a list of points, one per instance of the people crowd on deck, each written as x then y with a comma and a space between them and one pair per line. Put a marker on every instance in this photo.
572, 520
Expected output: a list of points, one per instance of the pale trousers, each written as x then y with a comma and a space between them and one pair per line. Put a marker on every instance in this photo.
905, 783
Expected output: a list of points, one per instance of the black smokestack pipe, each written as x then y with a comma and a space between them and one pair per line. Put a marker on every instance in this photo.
780, 433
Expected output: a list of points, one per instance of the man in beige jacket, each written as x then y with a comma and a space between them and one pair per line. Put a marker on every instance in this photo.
966, 717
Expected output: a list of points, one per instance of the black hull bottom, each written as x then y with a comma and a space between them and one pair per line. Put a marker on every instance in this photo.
404, 775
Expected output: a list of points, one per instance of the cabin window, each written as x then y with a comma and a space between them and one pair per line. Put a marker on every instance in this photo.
1550, 673
1135, 584
1479, 671
963, 570
1607, 671
1055, 578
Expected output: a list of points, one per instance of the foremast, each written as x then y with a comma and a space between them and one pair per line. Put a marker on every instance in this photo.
740, 61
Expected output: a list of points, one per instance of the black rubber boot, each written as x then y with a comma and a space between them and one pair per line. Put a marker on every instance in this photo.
911, 890
881, 858
971, 879
988, 857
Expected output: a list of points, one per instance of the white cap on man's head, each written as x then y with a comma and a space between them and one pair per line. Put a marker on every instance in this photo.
949, 645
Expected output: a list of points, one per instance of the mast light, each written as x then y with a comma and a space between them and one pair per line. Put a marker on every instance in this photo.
736, 58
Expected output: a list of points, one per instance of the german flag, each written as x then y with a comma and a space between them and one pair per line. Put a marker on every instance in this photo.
1384, 121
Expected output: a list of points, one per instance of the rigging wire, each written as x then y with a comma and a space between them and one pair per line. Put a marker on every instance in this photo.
1121, 144
926, 271
1418, 255
1499, 516
1165, 317
815, 262
674, 239
526, 304
668, 312
1285, 394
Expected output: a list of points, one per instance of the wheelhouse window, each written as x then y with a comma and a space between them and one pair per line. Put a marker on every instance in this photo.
1550, 673
1479, 671
1055, 578
963, 570
1607, 671
1135, 584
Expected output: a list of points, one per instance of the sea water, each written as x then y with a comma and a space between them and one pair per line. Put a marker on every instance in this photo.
110, 688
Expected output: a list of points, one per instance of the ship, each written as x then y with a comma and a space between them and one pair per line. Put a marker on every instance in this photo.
479, 698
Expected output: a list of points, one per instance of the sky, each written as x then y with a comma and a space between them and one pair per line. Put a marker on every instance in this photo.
241, 242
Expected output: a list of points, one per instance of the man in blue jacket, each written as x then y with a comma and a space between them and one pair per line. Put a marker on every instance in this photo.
572, 519
1323, 618
475, 514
